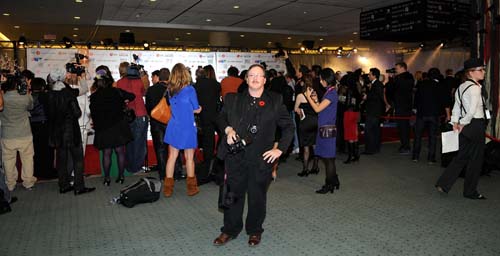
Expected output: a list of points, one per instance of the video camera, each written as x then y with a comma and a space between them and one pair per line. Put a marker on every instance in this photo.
281, 52
76, 67
21, 83
135, 70
391, 71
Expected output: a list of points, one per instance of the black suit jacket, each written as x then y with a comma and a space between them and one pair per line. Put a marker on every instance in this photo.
273, 114
375, 100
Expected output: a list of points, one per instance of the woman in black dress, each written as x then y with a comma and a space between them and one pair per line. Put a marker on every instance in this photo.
307, 128
112, 131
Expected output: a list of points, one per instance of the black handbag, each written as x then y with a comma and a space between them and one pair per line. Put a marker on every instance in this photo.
328, 131
226, 197
129, 114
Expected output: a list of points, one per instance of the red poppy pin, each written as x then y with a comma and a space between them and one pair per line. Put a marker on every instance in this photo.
262, 103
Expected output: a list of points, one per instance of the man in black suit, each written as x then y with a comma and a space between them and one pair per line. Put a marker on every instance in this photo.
251, 116
374, 105
403, 98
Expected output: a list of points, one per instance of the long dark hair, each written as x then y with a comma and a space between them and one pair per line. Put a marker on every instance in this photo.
328, 75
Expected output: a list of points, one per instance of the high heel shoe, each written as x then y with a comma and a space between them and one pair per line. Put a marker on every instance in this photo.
107, 181
314, 170
325, 189
303, 173
336, 182
120, 180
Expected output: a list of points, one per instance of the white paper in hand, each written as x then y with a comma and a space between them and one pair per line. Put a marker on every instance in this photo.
449, 140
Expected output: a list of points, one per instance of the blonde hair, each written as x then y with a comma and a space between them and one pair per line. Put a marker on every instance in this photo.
122, 69
179, 78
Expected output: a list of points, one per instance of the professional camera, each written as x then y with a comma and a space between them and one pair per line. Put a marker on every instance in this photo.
76, 67
135, 70
21, 83
239, 145
390, 71
281, 52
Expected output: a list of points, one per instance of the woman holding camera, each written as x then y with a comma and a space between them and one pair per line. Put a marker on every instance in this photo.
181, 129
326, 137
112, 131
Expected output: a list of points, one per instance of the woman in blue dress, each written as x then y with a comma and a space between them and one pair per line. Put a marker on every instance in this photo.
326, 136
181, 129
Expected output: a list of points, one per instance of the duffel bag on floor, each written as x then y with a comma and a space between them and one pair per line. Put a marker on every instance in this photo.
146, 190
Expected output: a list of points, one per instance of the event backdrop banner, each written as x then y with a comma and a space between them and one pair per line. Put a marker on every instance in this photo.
42, 61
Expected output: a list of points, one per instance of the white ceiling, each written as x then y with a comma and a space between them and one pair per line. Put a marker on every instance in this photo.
164, 20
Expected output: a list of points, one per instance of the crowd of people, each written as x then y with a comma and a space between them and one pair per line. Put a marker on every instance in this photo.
261, 116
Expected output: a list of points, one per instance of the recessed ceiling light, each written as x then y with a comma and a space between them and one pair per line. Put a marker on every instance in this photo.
75, 29
400, 43
268, 24
153, 43
351, 41
6, 14
242, 35
236, 7
269, 42
305, 12
75, 35
16, 26
78, 1
208, 20
320, 27
321, 39
177, 39
138, 15
188, 33
127, 30
354, 33
289, 38
152, 0
76, 17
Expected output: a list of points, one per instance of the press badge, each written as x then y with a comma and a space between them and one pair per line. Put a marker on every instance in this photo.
488, 116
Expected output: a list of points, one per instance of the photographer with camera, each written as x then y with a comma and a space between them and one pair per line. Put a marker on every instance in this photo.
64, 133
130, 81
16, 131
249, 121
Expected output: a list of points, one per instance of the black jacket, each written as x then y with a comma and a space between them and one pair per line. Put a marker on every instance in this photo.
106, 106
153, 97
273, 114
403, 92
430, 98
208, 91
63, 113
374, 104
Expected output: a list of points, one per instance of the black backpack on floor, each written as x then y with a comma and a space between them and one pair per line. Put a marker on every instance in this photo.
146, 190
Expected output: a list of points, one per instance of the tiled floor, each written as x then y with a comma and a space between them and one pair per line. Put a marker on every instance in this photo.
386, 205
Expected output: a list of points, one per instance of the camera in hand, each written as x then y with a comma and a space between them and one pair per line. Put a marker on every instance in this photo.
281, 52
76, 67
135, 70
239, 145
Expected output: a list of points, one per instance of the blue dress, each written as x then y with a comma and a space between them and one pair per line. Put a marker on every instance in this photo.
325, 147
181, 129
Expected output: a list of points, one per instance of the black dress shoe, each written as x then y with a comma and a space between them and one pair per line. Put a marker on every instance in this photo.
66, 190
83, 191
441, 189
107, 181
314, 170
325, 189
120, 180
254, 240
13, 200
476, 196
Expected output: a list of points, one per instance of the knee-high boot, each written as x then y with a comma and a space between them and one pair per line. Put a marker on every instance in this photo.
350, 151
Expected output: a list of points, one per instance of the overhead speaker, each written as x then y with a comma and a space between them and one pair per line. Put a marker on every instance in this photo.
309, 44
127, 38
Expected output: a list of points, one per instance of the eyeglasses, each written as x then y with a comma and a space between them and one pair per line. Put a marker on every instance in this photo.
255, 75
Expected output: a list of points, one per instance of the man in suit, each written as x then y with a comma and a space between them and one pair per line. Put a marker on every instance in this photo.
403, 98
374, 105
252, 116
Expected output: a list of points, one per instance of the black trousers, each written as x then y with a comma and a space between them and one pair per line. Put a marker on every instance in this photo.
372, 135
244, 177
404, 131
431, 123
470, 156
44, 155
161, 151
207, 142
76, 154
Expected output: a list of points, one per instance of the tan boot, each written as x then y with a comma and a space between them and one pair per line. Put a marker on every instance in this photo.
192, 186
168, 187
